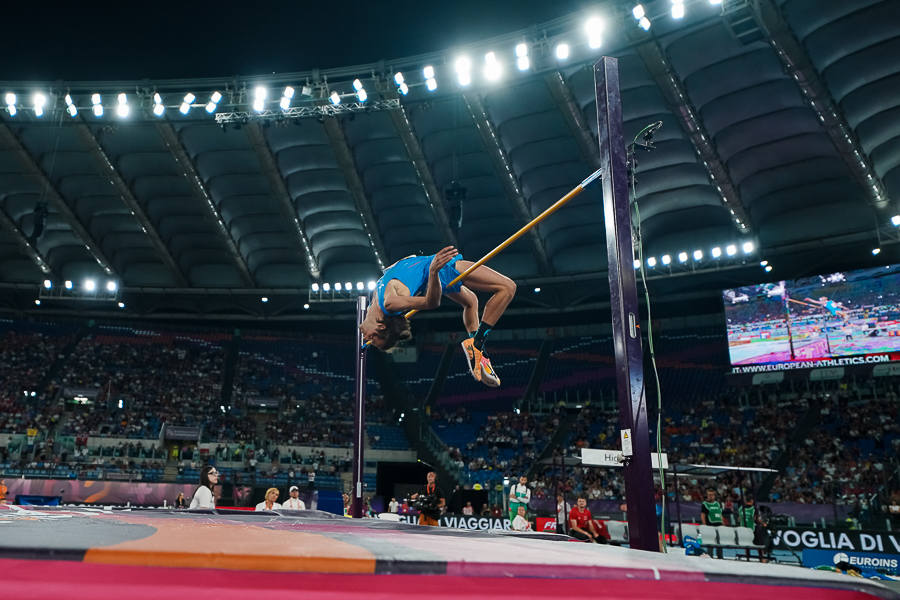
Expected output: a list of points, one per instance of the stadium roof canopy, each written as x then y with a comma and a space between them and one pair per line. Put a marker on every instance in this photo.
780, 135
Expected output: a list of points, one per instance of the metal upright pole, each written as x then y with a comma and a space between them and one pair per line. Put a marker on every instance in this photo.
359, 419
623, 301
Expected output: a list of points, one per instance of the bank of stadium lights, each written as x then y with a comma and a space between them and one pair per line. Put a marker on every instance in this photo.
97, 104
158, 107
677, 9
463, 68
10, 100
70, 106
430, 80
594, 29
523, 63
213, 103
402, 88
186, 103
286, 96
361, 94
492, 68
640, 16
38, 102
562, 51
122, 109
259, 98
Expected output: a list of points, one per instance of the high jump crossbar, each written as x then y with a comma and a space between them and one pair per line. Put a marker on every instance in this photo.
527, 227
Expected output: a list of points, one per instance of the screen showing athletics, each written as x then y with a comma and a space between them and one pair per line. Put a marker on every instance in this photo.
837, 319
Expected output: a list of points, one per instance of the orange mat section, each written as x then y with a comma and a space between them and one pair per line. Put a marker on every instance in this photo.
226, 546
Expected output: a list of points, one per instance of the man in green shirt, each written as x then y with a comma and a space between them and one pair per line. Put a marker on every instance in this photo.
746, 515
519, 495
711, 509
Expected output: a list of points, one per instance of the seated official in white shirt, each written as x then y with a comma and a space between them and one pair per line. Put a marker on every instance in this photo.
270, 502
294, 502
520, 523
203, 495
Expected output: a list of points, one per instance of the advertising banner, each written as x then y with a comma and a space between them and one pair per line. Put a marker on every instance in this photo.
464, 522
846, 541
862, 561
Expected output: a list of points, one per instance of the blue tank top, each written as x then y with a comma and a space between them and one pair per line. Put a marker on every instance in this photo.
413, 273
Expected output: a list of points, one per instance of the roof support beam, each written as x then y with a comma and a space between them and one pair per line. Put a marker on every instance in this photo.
279, 189
503, 166
170, 138
574, 118
407, 134
50, 192
107, 167
676, 96
347, 164
29, 248
800, 67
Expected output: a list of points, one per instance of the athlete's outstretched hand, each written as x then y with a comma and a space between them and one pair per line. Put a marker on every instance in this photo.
441, 259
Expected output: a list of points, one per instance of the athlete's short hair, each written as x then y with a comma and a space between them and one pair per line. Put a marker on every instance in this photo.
396, 329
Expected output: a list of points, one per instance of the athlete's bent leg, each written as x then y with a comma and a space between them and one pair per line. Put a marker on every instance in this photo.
485, 279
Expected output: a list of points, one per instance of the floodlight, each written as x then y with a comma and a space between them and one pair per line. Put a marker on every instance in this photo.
96, 100
644, 23
730, 249
430, 81
537, 290
315, 287
111, 286
89, 285
428, 72
335, 98
562, 51
306, 307
38, 101
715, 2
698, 254
326, 287
357, 85
682, 256
522, 61
359, 286
122, 106
492, 68
338, 287
11, 103
259, 98
666, 259
463, 67
213, 102
158, 107
716, 252
768, 268
638, 12
398, 78
68, 284
186, 103
763, 263
637, 264
70, 106
594, 29
431, 84
651, 262
876, 251
264, 299
37, 302
348, 286
48, 284
370, 285
362, 95
895, 220
677, 9
748, 247
403, 89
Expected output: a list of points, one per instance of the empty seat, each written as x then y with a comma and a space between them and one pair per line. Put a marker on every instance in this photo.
727, 536
709, 534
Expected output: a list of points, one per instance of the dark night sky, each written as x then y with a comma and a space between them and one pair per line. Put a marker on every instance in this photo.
134, 40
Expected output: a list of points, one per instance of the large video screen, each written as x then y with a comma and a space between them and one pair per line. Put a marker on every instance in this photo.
828, 320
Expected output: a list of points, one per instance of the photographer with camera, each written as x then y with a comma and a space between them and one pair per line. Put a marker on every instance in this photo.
429, 502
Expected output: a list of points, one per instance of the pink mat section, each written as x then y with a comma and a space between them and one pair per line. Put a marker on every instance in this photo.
42, 579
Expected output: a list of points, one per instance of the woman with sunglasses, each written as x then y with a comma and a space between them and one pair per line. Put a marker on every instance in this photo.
203, 496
